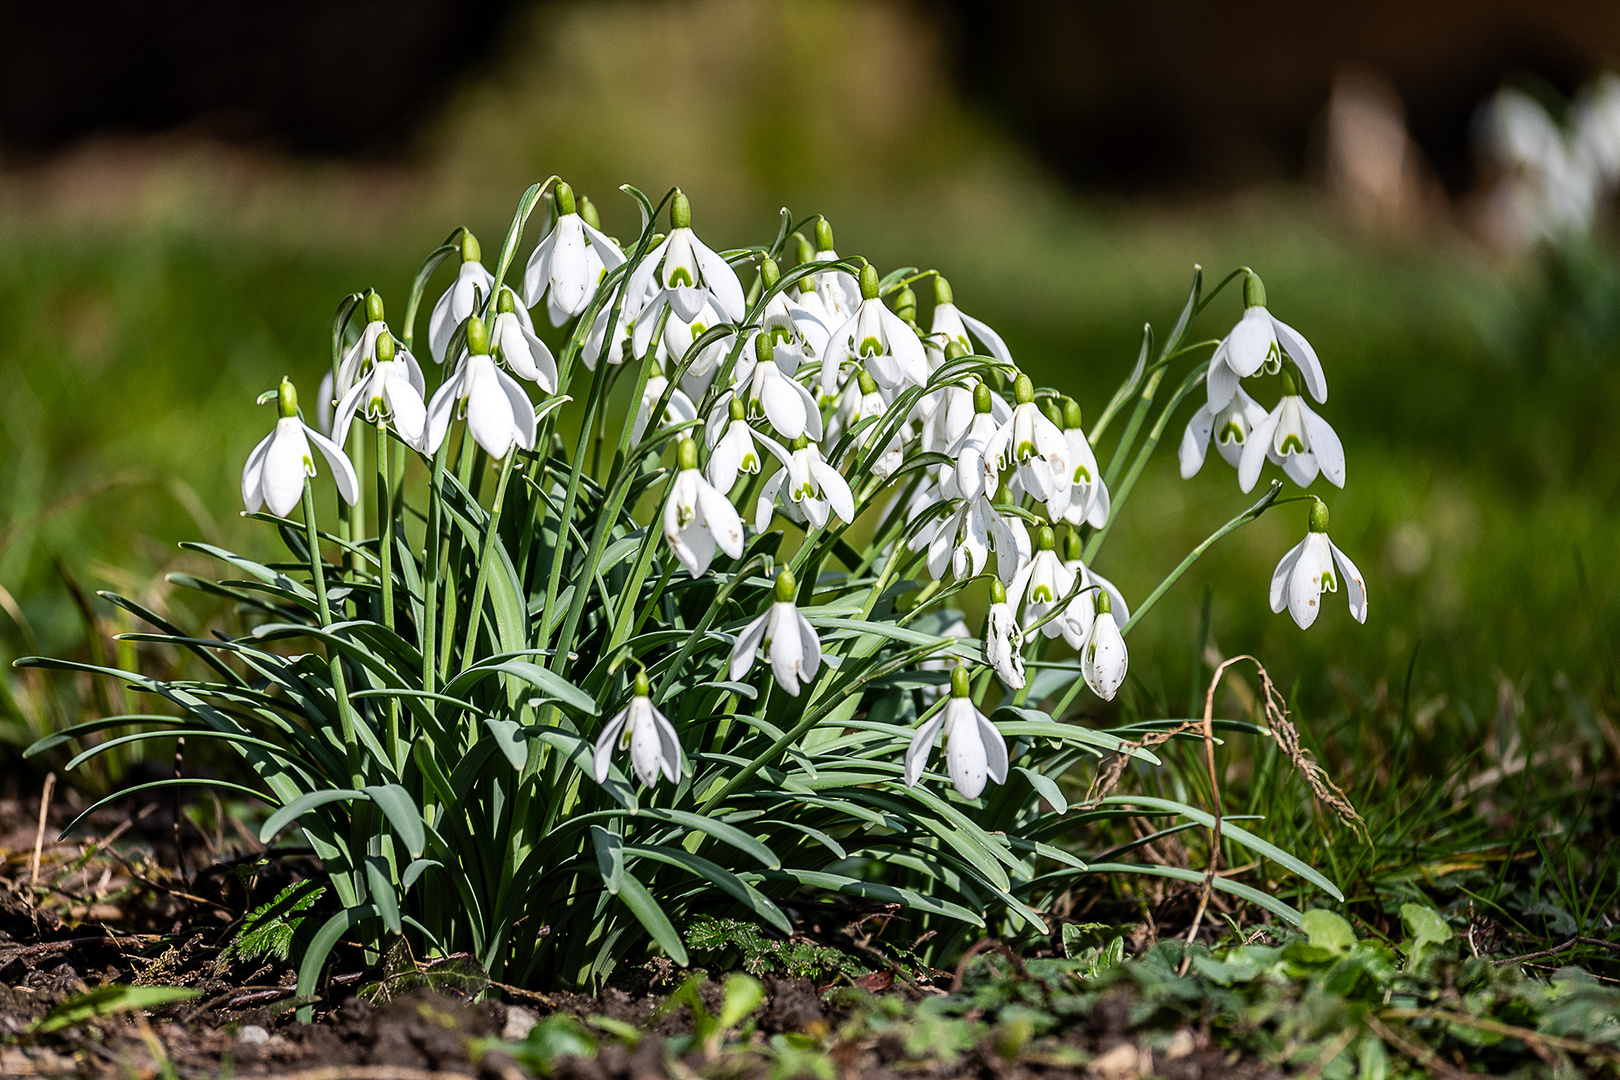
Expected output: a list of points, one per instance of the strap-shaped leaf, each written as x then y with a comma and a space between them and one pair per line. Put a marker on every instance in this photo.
552, 686
1047, 789
302, 805
746, 894
382, 892
635, 896
729, 834
402, 813
609, 857
1226, 885
309, 969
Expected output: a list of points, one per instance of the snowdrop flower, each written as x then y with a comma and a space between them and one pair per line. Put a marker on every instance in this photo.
687, 271
279, 465
1259, 340
1003, 640
561, 271
1042, 583
361, 353
952, 327
698, 518
838, 291
515, 342
649, 736
861, 400
879, 340
1082, 614
974, 749
1229, 427
499, 412
797, 332
789, 407
1037, 448
679, 335
1292, 436
679, 410
791, 644
473, 285
1088, 494
977, 470
391, 391
962, 542
1306, 572
733, 451
814, 489
1104, 660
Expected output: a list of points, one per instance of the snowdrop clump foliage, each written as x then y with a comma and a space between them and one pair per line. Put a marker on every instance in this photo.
550, 660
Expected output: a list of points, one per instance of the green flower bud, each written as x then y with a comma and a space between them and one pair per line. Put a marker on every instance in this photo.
287, 398
867, 383
1289, 387
477, 336
1103, 604
998, 591
374, 307
1318, 521
959, 681
785, 585
738, 410
1045, 540
1023, 390
942, 290
565, 198
385, 347
905, 304
470, 251
505, 302
869, 282
954, 349
1254, 291
824, 241
1071, 547
643, 686
588, 213
981, 398
769, 272
686, 455
1071, 414
680, 211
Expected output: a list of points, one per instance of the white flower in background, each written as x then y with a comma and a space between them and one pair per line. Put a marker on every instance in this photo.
562, 271
1089, 503
515, 342
1042, 583
962, 541
1003, 639
812, 490
391, 390
687, 272
732, 449
798, 332
862, 400
878, 340
977, 470
1259, 341
499, 412
950, 411
790, 642
1082, 613
1293, 436
473, 286
1229, 427
1307, 571
649, 736
277, 468
1103, 658
1554, 183
790, 408
678, 410
698, 518
951, 326
1037, 449
355, 359
838, 291
974, 749
678, 337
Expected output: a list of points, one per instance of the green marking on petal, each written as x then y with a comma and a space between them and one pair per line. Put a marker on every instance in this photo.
680, 276
1328, 582
1042, 594
1082, 475
1291, 444
871, 346
1231, 433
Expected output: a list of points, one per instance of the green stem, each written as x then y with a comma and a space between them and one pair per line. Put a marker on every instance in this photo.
481, 585
340, 690
385, 556
430, 571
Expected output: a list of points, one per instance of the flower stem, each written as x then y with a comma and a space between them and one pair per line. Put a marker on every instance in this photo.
340, 690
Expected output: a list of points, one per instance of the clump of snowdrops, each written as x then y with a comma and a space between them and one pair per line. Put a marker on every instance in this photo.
552, 674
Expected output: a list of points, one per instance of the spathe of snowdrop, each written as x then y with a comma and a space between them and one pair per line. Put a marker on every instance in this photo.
1259, 341
697, 517
515, 341
974, 750
791, 645
562, 270
810, 489
687, 272
878, 340
1037, 449
1089, 503
731, 446
951, 325
678, 410
1042, 583
1003, 639
472, 287
499, 412
1294, 436
278, 467
1103, 658
649, 736
1229, 427
1307, 571
390, 391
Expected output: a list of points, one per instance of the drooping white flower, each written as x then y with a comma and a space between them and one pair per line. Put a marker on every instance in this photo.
811, 490
732, 452
499, 412
961, 542
877, 339
649, 736
678, 337
791, 645
1037, 448
389, 391
687, 273
837, 290
977, 469
698, 518
472, 287
1003, 639
772, 391
277, 468
1041, 584
1229, 427
678, 410
862, 400
515, 341
1259, 341
952, 326
1307, 571
562, 271
974, 750
1103, 658
1082, 613
1294, 436
355, 360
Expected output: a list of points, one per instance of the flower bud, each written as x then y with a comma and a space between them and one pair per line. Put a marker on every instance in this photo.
785, 585
1318, 521
769, 272
565, 199
942, 290
1254, 291
869, 282
1045, 540
803, 250
470, 251
981, 398
477, 336
737, 409
287, 398
1289, 387
374, 306
680, 211
643, 686
1023, 390
385, 347
905, 304
998, 591
824, 240
959, 681
587, 213
1071, 414
686, 455
867, 383
505, 302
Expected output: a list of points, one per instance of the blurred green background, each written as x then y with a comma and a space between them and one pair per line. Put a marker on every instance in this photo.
151, 286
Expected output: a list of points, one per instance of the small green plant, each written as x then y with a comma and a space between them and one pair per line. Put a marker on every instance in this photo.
267, 930
734, 943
